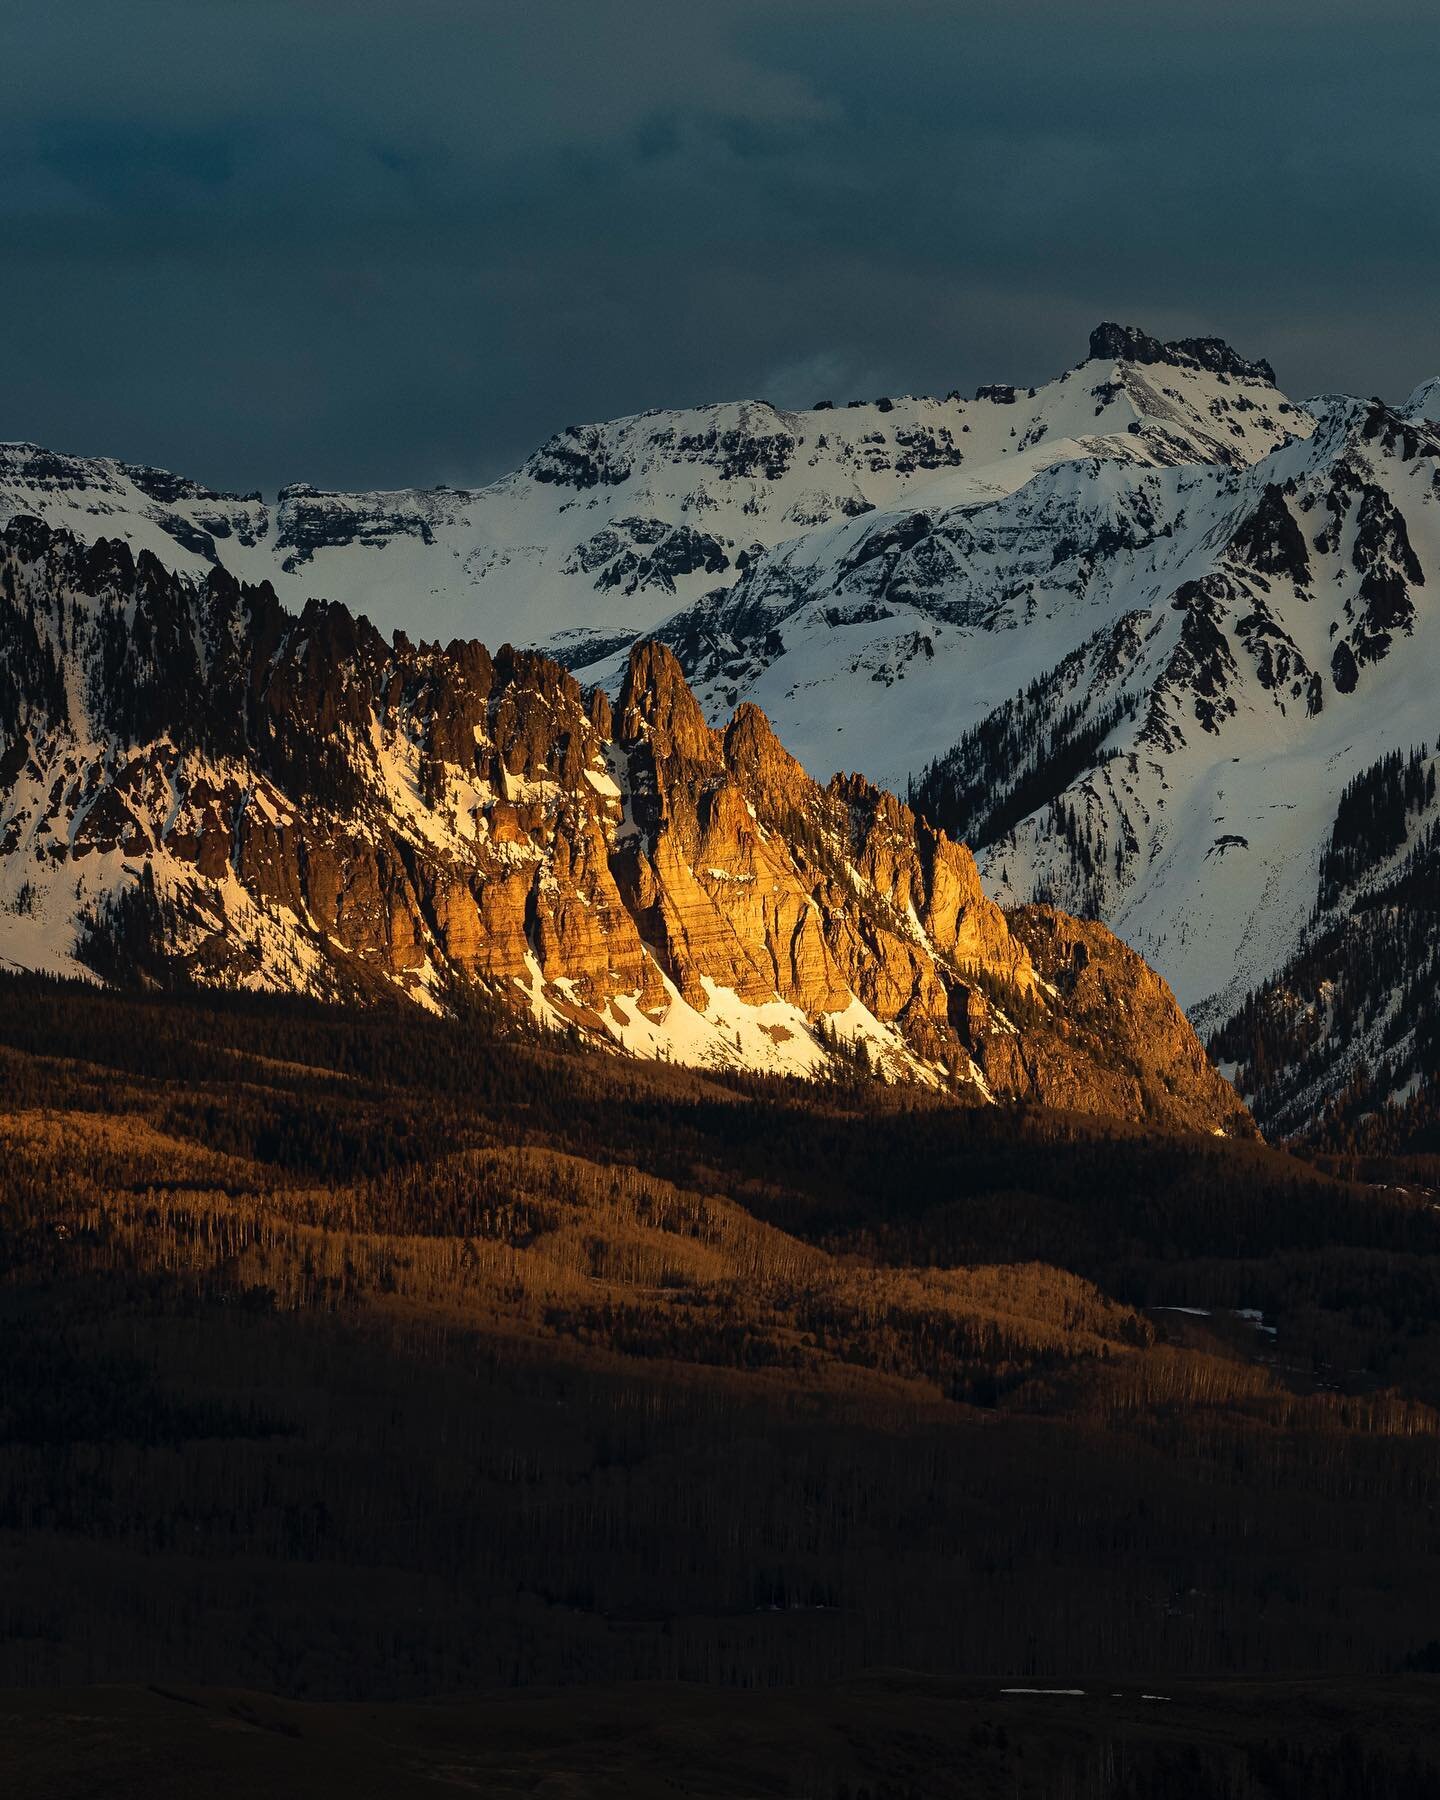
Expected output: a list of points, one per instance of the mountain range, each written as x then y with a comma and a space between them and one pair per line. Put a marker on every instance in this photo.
1151, 638
201, 786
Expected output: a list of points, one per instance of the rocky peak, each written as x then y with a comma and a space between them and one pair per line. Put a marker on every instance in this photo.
257, 799
760, 762
1216, 355
657, 708
1110, 342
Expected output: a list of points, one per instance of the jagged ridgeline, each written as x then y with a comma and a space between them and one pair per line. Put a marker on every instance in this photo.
197, 785
1164, 613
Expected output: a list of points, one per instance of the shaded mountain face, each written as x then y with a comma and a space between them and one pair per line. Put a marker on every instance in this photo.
1184, 760
196, 783
1343, 1041
1236, 774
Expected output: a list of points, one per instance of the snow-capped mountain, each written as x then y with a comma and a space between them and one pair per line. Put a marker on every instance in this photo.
196, 784
1130, 633
1160, 682
1177, 772
609, 529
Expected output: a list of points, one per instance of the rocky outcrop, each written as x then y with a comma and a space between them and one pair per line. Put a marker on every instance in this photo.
1127, 343
1155, 1065
302, 805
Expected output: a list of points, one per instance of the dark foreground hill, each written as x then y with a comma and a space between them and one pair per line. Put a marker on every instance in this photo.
372, 1356
895, 1736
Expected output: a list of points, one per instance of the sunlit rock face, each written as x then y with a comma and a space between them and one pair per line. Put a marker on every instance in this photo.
196, 784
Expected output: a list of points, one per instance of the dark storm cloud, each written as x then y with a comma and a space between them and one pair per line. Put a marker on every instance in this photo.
366, 242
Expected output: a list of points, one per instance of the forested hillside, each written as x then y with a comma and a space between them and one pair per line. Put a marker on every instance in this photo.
379, 1355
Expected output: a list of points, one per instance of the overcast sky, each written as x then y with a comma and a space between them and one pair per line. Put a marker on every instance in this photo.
375, 242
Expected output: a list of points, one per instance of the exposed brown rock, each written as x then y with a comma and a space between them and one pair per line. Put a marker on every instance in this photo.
1128, 1050
658, 710
408, 813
